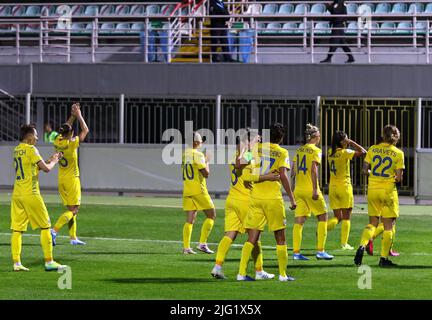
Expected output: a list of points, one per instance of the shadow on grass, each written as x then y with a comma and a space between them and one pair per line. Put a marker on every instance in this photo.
408, 267
156, 280
24, 244
123, 253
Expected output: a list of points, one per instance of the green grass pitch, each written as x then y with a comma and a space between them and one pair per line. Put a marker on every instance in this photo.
134, 252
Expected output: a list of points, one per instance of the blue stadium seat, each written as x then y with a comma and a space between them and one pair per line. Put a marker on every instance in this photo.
76, 10
107, 10
387, 28
167, 9
91, 11
318, 8
152, 10
428, 8
364, 5
254, 8
123, 28
107, 27
289, 28
18, 11
404, 28
374, 28
77, 27
300, 29
399, 8
5, 11
382, 8
49, 10
352, 8
322, 28
286, 9
273, 27
137, 10
352, 28
32, 11
416, 7
301, 9
122, 10
270, 9
137, 27
261, 27
421, 27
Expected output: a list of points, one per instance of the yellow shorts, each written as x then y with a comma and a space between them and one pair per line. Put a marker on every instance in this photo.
197, 202
306, 205
341, 197
235, 214
29, 208
70, 191
266, 211
383, 203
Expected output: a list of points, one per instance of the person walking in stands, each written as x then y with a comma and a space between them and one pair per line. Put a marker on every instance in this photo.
338, 7
218, 31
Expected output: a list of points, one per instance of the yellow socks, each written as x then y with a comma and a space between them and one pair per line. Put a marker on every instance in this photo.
386, 243
46, 242
321, 235
206, 229
64, 218
345, 231
367, 235
282, 256
187, 234
332, 223
257, 256
245, 256
297, 237
16, 245
378, 230
223, 248
73, 228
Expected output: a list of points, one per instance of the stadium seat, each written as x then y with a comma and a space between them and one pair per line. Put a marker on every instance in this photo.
152, 10
107, 27
49, 11
421, 27
382, 8
273, 27
363, 6
387, 28
352, 8
5, 11
76, 10
270, 9
300, 29
137, 10
289, 28
374, 26
404, 28
33, 11
261, 27
254, 9
122, 10
137, 27
35, 28
416, 7
352, 28
123, 28
318, 8
285, 9
301, 9
77, 27
18, 11
399, 8
91, 11
322, 28
167, 9
107, 10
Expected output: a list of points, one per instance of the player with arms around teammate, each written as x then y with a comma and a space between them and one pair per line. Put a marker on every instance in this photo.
340, 187
69, 183
27, 204
237, 205
384, 164
308, 194
195, 170
267, 204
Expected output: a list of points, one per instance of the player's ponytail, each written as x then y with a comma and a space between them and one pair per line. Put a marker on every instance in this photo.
337, 139
310, 132
65, 130
391, 134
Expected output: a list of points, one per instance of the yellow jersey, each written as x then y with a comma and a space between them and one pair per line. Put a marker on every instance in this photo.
268, 157
339, 163
304, 157
193, 181
384, 160
26, 159
237, 188
68, 165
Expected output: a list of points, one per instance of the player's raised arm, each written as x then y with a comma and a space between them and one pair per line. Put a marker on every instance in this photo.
283, 172
72, 117
359, 150
76, 110
50, 163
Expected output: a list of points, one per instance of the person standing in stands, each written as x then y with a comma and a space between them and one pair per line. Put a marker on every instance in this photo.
49, 134
218, 31
337, 39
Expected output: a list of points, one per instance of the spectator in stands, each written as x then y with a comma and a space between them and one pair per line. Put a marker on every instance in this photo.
218, 36
338, 7
49, 134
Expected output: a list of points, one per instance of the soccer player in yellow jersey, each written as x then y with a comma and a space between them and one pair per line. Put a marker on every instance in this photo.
266, 203
69, 184
27, 204
384, 164
308, 194
340, 187
195, 170
237, 205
